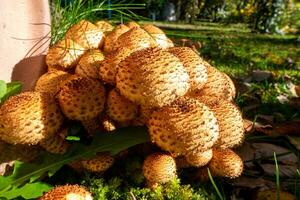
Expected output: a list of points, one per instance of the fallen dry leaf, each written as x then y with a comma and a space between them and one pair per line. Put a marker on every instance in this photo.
285, 171
295, 141
284, 128
253, 182
259, 75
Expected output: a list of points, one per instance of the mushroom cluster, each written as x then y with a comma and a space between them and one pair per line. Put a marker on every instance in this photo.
131, 75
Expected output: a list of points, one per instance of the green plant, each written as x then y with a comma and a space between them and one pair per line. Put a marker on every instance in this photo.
9, 89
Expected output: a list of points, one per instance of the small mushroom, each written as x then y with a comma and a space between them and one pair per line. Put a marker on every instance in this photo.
185, 127
226, 163
111, 38
152, 77
100, 163
56, 144
159, 36
119, 108
159, 168
132, 24
193, 65
199, 159
88, 35
104, 26
88, 65
64, 55
67, 192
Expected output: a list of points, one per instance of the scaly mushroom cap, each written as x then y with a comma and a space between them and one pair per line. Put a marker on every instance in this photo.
199, 159
135, 38
152, 77
119, 108
193, 65
159, 36
185, 127
226, 163
88, 35
50, 82
100, 163
28, 118
218, 85
111, 38
159, 168
88, 65
56, 143
231, 124
82, 98
132, 24
67, 192
64, 55
104, 26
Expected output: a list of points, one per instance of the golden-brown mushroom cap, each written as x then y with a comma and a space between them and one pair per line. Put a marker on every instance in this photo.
187, 126
193, 65
132, 24
111, 38
88, 65
218, 85
28, 118
56, 143
119, 108
104, 26
82, 98
51, 81
152, 77
159, 168
67, 192
100, 163
199, 159
158, 35
226, 163
88, 35
64, 55
231, 124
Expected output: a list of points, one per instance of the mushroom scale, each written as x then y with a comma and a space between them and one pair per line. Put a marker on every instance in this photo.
158, 35
88, 35
159, 168
152, 77
100, 163
67, 192
82, 98
187, 126
199, 159
111, 38
104, 26
193, 65
29, 117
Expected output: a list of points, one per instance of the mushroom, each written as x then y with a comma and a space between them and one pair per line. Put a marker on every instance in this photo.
132, 24
111, 38
159, 168
50, 82
88, 35
67, 192
104, 26
185, 127
152, 77
119, 108
56, 144
218, 85
193, 65
30, 118
98, 164
226, 163
159, 36
64, 55
82, 99
88, 65
199, 159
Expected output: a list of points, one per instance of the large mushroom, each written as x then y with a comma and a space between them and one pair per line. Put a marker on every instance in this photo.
160, 37
67, 192
111, 38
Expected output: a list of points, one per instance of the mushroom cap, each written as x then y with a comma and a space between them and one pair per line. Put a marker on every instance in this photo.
64, 55
56, 143
88, 35
119, 108
187, 126
88, 65
51, 81
199, 159
136, 38
111, 38
226, 163
100, 163
159, 168
104, 26
28, 118
82, 98
218, 85
152, 77
158, 35
193, 65
230, 120
67, 192
132, 24
151, 29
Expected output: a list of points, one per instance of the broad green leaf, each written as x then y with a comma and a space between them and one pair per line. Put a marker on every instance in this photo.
3, 89
11, 89
28, 173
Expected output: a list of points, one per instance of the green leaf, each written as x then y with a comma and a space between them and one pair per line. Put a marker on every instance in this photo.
11, 89
28, 173
3, 89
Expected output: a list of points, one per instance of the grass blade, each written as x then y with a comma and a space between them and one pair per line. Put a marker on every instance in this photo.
214, 184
